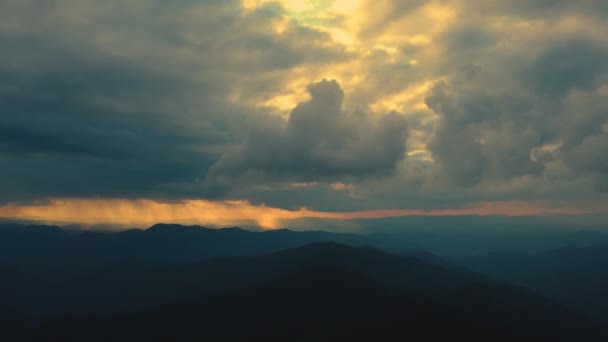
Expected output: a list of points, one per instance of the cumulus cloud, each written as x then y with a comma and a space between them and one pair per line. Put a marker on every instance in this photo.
510, 111
473, 141
319, 141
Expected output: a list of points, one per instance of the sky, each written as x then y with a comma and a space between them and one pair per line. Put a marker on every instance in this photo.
222, 112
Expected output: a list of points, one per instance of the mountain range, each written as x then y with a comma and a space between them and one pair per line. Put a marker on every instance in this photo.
193, 283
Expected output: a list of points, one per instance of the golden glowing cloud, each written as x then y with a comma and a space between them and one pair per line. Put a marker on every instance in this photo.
388, 47
225, 213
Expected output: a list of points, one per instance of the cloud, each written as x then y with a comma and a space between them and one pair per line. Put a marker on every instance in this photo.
591, 156
569, 64
135, 99
319, 141
76, 122
472, 142
511, 113
541, 8
445, 102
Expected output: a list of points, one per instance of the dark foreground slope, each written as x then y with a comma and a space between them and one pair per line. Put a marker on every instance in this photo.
576, 277
322, 291
136, 285
328, 303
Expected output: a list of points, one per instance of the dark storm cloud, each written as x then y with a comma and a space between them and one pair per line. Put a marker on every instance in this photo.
476, 138
81, 104
319, 141
88, 123
507, 115
116, 99
172, 100
569, 64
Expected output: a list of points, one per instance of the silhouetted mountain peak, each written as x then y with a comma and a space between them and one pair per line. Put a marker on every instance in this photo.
164, 227
341, 254
279, 231
323, 278
132, 231
44, 229
234, 229
236, 232
178, 228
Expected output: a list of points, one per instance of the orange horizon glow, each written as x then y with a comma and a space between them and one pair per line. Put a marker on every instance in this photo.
226, 213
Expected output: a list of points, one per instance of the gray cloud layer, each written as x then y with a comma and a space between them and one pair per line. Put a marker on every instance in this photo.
502, 133
130, 99
168, 100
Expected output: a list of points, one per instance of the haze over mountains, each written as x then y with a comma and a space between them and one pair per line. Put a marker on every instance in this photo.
63, 283
574, 276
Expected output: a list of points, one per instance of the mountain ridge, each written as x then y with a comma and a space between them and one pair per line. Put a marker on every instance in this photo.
328, 303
